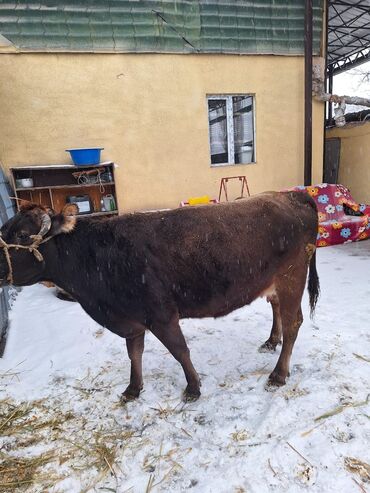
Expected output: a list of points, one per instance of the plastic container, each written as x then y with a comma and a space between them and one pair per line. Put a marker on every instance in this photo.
24, 183
85, 156
109, 202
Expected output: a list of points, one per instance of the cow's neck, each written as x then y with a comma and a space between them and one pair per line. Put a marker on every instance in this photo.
101, 268
60, 264
69, 263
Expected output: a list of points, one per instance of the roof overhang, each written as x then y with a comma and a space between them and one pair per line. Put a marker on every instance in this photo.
348, 34
258, 27
6, 45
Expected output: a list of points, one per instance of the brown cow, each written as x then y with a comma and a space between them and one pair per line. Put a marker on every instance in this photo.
147, 271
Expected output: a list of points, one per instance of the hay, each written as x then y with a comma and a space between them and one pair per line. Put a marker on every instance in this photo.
342, 407
91, 454
240, 435
308, 432
294, 392
152, 464
26, 419
42, 443
363, 358
260, 372
11, 373
359, 467
23, 426
104, 457
166, 411
20, 472
10, 414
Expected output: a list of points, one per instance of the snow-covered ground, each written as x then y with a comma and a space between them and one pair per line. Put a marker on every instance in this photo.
60, 365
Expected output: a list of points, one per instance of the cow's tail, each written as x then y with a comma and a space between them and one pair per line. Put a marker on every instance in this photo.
313, 284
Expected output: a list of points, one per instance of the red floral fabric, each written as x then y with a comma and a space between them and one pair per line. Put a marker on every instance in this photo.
335, 226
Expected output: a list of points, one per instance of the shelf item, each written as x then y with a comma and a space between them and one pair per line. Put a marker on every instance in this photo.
85, 156
103, 213
24, 183
83, 203
53, 184
27, 189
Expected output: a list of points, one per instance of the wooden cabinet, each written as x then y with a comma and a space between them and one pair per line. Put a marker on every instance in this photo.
55, 185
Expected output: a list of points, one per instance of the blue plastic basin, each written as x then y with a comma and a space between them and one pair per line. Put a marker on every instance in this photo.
84, 157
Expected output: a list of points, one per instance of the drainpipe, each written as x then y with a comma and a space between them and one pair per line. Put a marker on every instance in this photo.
330, 90
327, 106
308, 93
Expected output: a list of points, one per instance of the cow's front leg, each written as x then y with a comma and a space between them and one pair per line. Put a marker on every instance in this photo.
172, 337
135, 348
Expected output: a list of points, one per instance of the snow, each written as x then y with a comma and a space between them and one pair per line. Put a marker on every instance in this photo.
237, 437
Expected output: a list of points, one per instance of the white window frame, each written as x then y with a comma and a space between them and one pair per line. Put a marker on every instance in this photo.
230, 128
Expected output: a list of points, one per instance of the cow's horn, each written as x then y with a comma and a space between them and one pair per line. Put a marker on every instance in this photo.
45, 224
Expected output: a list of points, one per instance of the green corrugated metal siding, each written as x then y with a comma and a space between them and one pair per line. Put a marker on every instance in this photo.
172, 26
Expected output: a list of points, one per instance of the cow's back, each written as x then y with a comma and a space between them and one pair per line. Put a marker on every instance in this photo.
217, 258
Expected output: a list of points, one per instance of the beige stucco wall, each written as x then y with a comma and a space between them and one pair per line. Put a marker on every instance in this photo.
354, 166
150, 114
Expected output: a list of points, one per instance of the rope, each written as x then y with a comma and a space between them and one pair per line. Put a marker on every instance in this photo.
33, 248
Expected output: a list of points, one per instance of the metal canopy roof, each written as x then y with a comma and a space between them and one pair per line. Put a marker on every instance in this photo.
348, 34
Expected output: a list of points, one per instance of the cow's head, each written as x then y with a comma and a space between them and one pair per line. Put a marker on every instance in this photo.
33, 223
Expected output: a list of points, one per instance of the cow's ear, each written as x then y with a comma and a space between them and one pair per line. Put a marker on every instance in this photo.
66, 220
26, 205
50, 211
69, 214
70, 210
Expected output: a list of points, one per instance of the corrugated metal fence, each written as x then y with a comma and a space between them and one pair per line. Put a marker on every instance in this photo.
6, 212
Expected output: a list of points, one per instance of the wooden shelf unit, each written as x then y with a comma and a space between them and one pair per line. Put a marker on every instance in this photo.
52, 185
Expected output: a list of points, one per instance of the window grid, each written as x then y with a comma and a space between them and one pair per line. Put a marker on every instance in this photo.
230, 127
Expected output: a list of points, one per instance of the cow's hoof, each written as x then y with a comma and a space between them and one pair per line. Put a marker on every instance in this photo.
267, 347
64, 296
129, 395
191, 395
275, 380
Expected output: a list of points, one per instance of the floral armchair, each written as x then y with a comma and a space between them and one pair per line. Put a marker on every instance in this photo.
341, 219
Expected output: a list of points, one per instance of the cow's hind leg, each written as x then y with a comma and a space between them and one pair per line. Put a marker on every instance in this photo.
290, 332
172, 337
135, 348
289, 291
276, 331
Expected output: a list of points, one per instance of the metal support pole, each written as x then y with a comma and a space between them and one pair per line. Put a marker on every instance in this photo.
308, 93
326, 86
330, 91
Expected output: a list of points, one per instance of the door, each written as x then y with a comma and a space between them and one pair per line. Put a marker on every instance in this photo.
332, 158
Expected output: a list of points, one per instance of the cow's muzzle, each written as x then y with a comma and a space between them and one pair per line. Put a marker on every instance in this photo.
37, 240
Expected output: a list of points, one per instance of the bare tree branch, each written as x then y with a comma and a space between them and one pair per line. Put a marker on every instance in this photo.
333, 98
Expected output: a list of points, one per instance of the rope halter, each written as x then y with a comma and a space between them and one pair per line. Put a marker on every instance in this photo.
33, 248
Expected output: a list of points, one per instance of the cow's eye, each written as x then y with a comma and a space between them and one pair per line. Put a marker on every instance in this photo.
22, 236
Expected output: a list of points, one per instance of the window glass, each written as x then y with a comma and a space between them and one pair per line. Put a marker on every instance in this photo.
243, 129
218, 130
